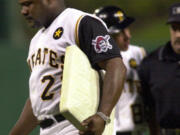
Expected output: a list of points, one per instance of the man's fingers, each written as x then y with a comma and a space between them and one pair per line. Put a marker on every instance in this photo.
81, 132
87, 120
84, 124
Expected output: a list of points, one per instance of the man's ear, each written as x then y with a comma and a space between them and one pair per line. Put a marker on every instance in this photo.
47, 2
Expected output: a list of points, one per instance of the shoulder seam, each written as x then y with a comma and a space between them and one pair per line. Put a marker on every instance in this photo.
76, 30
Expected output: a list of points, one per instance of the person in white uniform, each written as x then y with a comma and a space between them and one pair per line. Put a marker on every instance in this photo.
61, 27
129, 109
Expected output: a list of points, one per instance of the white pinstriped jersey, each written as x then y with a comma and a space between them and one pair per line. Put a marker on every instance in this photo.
46, 52
128, 109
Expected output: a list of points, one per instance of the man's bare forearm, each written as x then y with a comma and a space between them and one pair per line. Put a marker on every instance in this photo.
27, 121
113, 85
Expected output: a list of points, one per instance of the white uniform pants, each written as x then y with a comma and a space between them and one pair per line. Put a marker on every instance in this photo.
61, 128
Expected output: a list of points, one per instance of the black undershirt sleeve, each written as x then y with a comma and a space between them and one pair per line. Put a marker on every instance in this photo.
144, 77
95, 41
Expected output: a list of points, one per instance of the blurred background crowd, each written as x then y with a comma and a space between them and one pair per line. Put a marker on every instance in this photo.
149, 30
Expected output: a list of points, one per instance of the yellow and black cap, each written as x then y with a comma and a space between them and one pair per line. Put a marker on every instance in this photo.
114, 17
174, 13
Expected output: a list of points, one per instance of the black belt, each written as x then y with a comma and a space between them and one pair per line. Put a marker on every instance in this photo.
124, 133
49, 122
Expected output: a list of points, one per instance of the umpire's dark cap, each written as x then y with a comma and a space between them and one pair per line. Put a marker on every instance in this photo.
114, 17
174, 13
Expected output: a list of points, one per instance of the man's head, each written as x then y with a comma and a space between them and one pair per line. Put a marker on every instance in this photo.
174, 22
117, 23
41, 12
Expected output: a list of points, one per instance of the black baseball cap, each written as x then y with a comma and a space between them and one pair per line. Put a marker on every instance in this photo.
174, 13
114, 17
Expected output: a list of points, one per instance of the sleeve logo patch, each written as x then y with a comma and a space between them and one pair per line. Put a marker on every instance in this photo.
133, 63
101, 44
58, 33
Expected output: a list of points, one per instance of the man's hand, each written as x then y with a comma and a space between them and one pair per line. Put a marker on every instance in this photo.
94, 125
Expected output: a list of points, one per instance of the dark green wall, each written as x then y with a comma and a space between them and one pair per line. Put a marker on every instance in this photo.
14, 85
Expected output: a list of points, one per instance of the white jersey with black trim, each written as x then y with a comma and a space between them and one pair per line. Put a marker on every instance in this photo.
45, 58
129, 107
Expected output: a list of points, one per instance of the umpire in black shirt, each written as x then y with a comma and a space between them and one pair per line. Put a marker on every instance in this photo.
160, 79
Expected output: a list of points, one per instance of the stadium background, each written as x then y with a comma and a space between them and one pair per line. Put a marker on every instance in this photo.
149, 30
